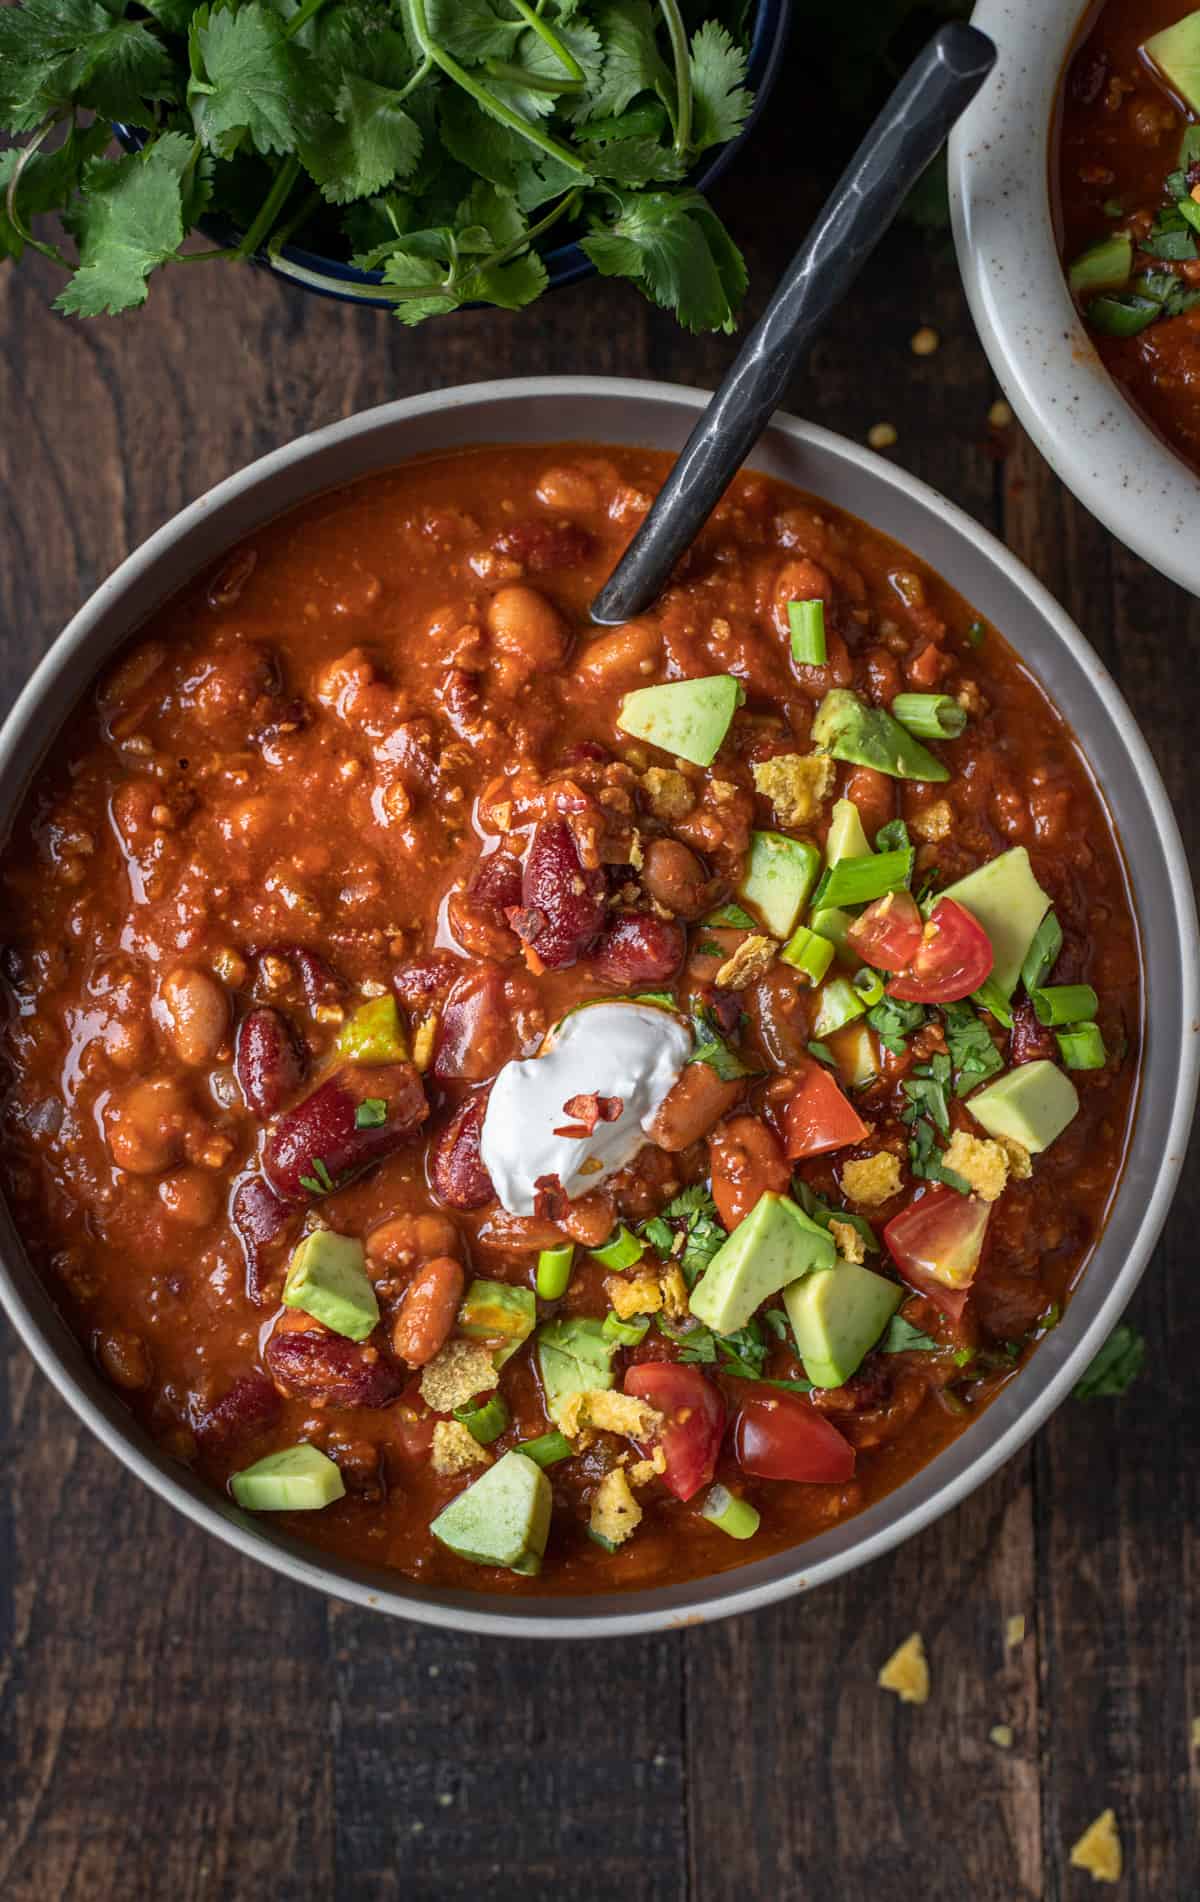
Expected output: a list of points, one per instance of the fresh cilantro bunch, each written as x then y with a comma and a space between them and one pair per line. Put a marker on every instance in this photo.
435, 141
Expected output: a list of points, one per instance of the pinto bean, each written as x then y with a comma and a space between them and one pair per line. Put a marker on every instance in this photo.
637, 947
427, 1311
197, 1012
269, 1061
562, 905
875, 796
307, 1362
567, 488
406, 1238
747, 1163
146, 1125
675, 878
625, 657
191, 1197
691, 1107
125, 1359
528, 628
321, 1140
456, 1169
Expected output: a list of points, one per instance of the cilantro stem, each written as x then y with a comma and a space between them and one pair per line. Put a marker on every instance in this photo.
302, 16
271, 207
677, 33
18, 224
486, 100
532, 82
546, 32
418, 79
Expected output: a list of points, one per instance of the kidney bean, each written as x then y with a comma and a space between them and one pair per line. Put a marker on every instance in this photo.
259, 1218
637, 947
456, 1169
1028, 1039
321, 1141
250, 1406
197, 1012
477, 1033
692, 1106
562, 904
269, 1061
747, 1162
426, 981
400, 1240
427, 1311
480, 929
542, 545
319, 982
307, 1362
496, 881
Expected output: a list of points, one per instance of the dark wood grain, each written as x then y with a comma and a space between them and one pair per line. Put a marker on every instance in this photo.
175, 1722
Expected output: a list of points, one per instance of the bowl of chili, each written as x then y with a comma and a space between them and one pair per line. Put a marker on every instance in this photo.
233, 1354
1063, 167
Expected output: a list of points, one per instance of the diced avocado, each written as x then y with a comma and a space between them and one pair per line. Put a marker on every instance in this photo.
834, 924
1032, 1104
574, 1357
298, 1479
774, 1245
779, 880
837, 1317
1010, 904
374, 1033
327, 1278
1176, 53
688, 718
1104, 266
838, 1004
856, 1053
849, 729
492, 1311
502, 1518
845, 838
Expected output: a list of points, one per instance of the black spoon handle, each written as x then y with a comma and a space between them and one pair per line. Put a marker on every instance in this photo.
937, 87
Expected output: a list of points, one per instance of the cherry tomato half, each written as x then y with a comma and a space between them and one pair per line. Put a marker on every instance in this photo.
954, 957
695, 1421
888, 933
779, 1436
819, 1118
937, 1241
747, 1161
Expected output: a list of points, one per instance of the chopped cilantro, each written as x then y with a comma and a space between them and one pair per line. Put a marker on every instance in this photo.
976, 634
903, 1338
711, 1047
1115, 1367
973, 1055
894, 1021
925, 1158
687, 1231
893, 837
709, 948
821, 1213
926, 1090
320, 1182
733, 918
371, 1113
822, 1053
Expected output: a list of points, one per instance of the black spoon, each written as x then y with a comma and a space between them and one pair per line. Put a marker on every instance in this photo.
938, 86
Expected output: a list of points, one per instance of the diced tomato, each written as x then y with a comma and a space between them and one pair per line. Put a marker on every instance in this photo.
779, 1436
819, 1118
695, 1421
953, 959
747, 1161
888, 933
936, 1243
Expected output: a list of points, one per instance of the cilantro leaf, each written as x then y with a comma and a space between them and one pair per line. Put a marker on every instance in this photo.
893, 1022
129, 221
687, 1231
472, 30
925, 1158
893, 837
47, 181
925, 1090
1115, 1367
736, 917
903, 1338
821, 1213
675, 249
973, 1055
370, 142
720, 102
51, 51
711, 1047
632, 61
249, 80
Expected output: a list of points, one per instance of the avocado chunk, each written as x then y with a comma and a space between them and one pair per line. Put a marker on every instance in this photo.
779, 880
845, 838
1010, 904
1104, 266
849, 729
504, 1317
837, 1316
374, 1033
573, 1357
688, 718
327, 1278
1176, 53
299, 1479
774, 1245
856, 1053
834, 923
1032, 1104
502, 1518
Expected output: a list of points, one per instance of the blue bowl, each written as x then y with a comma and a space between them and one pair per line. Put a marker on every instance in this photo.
566, 263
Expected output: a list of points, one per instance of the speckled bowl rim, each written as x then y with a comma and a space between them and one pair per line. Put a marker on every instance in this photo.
1047, 364
618, 410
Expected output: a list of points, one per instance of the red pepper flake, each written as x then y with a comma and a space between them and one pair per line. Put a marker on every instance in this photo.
590, 1110
551, 1201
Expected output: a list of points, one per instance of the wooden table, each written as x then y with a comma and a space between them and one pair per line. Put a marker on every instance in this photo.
176, 1722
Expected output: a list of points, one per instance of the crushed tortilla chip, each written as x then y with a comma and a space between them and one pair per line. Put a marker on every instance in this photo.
752, 959
933, 822
611, 1412
423, 1040
643, 1471
615, 1514
1020, 1162
796, 784
674, 1293
982, 1162
847, 1240
459, 1371
907, 1672
872, 1180
1099, 1849
668, 793
455, 1448
642, 1295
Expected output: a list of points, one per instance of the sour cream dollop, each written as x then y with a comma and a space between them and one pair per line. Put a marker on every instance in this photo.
629, 1051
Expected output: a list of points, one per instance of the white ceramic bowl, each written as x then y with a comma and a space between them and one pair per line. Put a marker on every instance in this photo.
1000, 205
660, 415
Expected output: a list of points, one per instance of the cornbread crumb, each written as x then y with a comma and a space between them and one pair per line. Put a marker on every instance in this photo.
872, 1180
924, 341
610, 1412
1099, 1849
1001, 1735
752, 959
643, 1471
882, 435
847, 1240
455, 1449
933, 822
1014, 1630
456, 1374
982, 1162
1020, 1162
615, 1513
907, 1672
796, 785
668, 793
675, 1293
642, 1295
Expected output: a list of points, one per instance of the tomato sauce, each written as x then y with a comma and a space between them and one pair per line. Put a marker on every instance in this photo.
318, 779
1117, 141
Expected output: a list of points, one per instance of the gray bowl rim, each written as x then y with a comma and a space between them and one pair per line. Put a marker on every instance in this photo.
654, 414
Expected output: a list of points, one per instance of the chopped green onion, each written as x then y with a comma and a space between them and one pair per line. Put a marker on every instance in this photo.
838, 1005
809, 953
833, 924
977, 633
1064, 1003
1122, 313
858, 881
547, 1449
554, 1271
1082, 1047
930, 716
620, 1250
485, 1420
735, 1516
1042, 954
991, 998
807, 622
625, 1333
869, 986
